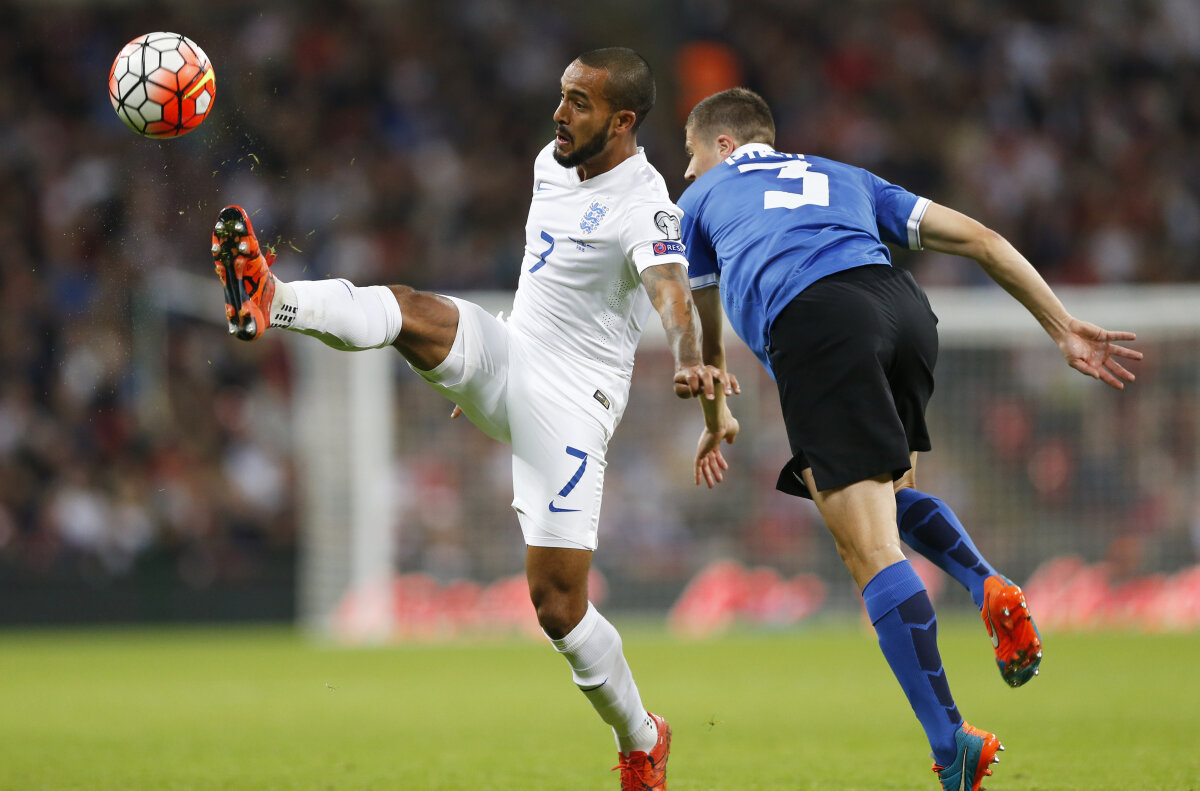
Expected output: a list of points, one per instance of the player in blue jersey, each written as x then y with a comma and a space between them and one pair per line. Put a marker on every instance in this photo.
798, 247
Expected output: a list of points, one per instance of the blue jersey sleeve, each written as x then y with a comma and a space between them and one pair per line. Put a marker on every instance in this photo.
702, 259
898, 214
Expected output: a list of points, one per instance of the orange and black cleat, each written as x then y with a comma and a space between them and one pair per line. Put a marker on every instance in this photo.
1015, 638
976, 753
647, 771
245, 272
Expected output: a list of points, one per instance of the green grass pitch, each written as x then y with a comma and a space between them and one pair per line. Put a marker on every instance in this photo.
816, 708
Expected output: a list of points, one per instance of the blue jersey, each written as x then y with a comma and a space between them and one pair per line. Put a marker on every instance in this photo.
767, 225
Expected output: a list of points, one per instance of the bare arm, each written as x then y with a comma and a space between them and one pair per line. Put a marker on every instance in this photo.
1087, 348
672, 297
719, 422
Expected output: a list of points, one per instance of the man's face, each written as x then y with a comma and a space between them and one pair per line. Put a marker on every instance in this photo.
583, 118
703, 154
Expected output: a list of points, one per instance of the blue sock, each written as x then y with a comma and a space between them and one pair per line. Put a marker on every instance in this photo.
931, 528
904, 619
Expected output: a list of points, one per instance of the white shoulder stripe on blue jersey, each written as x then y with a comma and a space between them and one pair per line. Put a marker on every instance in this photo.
704, 281
914, 223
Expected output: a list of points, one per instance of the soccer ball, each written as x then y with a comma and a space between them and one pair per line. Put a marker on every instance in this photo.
162, 85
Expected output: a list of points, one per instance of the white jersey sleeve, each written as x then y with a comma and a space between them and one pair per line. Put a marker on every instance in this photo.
650, 235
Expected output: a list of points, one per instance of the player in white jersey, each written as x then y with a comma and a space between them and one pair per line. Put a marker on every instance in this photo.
602, 247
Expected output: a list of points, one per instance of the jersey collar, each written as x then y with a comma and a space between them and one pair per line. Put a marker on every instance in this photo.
746, 148
633, 162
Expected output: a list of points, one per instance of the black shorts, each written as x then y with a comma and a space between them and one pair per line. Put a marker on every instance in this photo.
853, 357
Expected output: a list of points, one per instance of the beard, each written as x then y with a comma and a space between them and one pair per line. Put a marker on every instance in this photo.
586, 150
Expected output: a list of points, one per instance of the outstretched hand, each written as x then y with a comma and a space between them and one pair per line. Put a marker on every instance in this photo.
692, 381
1090, 350
710, 463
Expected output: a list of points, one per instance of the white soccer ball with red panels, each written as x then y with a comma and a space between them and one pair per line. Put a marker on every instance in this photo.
162, 85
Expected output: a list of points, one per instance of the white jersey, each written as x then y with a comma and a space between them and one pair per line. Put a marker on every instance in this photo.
586, 244
554, 379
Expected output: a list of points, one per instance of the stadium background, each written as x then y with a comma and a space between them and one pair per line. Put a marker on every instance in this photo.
392, 142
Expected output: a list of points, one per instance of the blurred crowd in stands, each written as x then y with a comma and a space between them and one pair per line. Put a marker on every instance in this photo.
392, 142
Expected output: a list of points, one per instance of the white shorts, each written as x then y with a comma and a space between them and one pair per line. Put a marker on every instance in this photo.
558, 412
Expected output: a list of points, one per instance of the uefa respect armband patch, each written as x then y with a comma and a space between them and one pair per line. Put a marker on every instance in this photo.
666, 248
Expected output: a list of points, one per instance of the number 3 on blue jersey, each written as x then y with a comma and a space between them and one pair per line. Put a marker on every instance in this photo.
542, 258
814, 187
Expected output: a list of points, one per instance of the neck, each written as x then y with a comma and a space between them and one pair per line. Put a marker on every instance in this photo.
612, 155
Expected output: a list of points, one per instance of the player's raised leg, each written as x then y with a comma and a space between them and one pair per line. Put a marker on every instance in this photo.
592, 647
931, 527
862, 519
421, 325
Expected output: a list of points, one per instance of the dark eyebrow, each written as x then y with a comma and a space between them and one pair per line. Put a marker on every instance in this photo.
575, 93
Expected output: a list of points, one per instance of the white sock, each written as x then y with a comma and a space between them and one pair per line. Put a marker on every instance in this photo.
598, 667
341, 314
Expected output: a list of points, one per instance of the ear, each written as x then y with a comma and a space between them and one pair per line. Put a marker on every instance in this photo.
623, 121
726, 145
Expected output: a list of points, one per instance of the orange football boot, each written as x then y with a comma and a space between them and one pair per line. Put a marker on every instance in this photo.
976, 753
1014, 636
647, 771
245, 272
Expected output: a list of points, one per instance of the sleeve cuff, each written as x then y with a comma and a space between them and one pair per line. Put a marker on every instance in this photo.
914, 223
645, 257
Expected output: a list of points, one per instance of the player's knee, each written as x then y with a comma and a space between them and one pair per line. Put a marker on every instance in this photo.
864, 559
557, 612
848, 553
554, 619
425, 306
404, 295
428, 326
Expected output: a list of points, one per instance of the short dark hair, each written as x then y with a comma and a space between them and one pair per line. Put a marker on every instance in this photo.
630, 83
738, 112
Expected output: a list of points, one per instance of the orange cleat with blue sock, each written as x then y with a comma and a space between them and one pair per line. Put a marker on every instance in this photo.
976, 753
1015, 638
